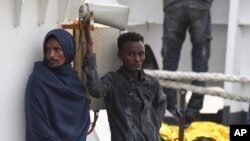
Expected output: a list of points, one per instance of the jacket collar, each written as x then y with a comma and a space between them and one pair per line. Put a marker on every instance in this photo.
141, 75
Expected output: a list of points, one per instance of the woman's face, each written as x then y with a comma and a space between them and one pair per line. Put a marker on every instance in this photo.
54, 53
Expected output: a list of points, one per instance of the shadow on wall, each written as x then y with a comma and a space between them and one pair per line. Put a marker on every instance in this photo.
150, 61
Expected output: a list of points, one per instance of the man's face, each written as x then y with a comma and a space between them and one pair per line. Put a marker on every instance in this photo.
132, 55
54, 53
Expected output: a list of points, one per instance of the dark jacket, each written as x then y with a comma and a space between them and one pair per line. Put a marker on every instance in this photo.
135, 108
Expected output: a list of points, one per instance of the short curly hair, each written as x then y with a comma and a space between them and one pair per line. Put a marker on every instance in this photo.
128, 36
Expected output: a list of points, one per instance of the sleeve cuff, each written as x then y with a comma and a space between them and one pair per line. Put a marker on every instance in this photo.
89, 60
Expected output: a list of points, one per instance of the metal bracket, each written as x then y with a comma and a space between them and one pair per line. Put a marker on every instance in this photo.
18, 11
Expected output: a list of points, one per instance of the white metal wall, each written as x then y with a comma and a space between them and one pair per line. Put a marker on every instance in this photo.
237, 49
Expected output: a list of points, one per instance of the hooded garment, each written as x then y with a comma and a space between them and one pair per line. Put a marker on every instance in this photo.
55, 101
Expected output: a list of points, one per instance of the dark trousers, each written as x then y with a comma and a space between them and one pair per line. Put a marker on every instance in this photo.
177, 21
248, 115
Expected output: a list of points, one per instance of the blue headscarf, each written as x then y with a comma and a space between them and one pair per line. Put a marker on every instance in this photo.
55, 101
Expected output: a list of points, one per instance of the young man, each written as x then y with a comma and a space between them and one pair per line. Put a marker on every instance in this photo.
55, 102
134, 100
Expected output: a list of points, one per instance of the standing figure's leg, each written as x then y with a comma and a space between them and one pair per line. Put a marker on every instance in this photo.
200, 31
174, 34
248, 115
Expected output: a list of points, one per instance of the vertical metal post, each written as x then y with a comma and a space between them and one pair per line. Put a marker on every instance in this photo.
182, 93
